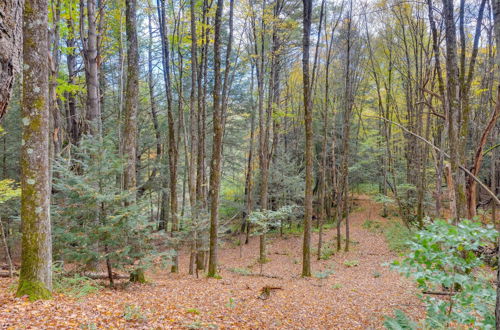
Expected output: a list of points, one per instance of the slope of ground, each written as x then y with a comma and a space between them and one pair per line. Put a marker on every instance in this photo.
357, 295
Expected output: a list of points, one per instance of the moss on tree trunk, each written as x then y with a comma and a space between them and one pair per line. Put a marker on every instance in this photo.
137, 276
36, 261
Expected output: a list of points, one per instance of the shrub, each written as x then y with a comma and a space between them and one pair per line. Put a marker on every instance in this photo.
443, 258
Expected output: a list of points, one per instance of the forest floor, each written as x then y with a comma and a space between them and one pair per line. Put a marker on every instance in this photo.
350, 290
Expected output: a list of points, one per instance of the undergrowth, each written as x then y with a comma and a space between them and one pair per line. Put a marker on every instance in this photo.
76, 286
397, 236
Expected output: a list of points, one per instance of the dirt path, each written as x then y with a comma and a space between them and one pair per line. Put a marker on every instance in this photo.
354, 297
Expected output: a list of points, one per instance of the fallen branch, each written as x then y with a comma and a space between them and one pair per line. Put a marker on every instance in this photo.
104, 276
265, 292
439, 293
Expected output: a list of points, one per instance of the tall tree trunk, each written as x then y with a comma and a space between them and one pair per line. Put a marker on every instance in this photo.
308, 118
129, 147
36, 261
93, 113
11, 37
496, 17
215, 163
248, 176
73, 126
454, 112
172, 143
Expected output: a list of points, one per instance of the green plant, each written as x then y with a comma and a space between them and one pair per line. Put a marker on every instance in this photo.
241, 271
88, 326
327, 252
325, 274
337, 286
193, 311
76, 286
114, 225
133, 313
231, 303
397, 236
351, 263
443, 259
400, 322
376, 274
372, 225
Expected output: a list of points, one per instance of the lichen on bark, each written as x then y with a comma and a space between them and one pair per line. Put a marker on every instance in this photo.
36, 260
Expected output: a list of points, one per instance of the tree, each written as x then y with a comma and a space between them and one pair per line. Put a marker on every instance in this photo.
215, 163
36, 274
10, 48
308, 118
93, 124
131, 98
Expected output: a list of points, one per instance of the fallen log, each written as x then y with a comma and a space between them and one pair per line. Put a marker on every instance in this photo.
105, 276
7, 274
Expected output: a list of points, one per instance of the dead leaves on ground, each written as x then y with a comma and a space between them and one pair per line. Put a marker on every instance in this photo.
350, 297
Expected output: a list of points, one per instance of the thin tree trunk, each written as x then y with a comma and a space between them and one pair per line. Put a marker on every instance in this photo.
215, 164
308, 118
131, 98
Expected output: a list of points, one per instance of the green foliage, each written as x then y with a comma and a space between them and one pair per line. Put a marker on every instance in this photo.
94, 218
193, 311
76, 286
8, 190
241, 271
231, 303
376, 274
351, 263
337, 286
397, 236
372, 225
443, 257
134, 313
264, 220
367, 188
325, 274
400, 322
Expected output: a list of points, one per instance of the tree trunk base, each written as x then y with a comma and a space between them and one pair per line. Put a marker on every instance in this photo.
137, 276
35, 290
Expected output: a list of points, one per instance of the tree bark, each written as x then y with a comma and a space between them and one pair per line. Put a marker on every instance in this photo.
453, 111
11, 37
308, 118
90, 54
215, 163
131, 98
36, 260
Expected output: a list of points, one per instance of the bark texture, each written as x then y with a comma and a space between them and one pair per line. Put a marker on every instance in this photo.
36, 276
131, 97
306, 249
11, 12
215, 164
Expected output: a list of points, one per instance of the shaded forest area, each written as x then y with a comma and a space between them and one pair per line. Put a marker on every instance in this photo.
187, 150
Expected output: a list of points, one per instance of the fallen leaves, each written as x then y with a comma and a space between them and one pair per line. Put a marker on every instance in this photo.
349, 298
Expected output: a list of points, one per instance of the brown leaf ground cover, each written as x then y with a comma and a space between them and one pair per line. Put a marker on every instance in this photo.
350, 290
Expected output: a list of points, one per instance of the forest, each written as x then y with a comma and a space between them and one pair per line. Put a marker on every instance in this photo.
250, 164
